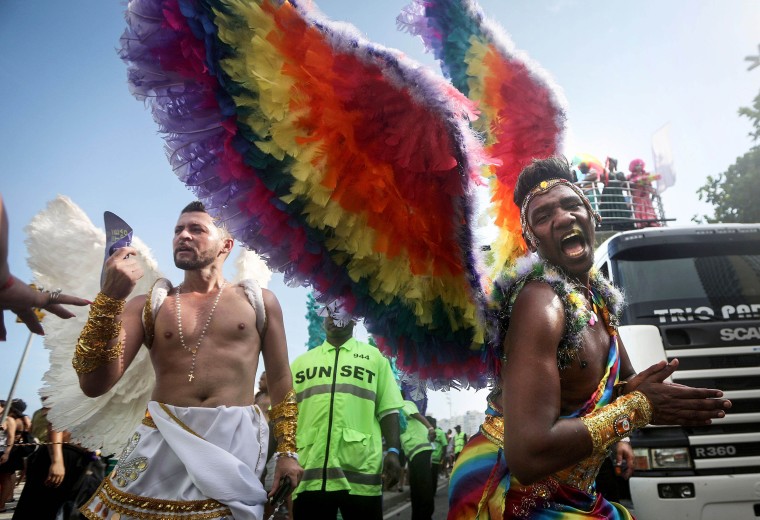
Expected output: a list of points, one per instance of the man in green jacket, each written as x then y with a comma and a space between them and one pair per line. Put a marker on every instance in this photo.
418, 449
438, 438
347, 400
460, 439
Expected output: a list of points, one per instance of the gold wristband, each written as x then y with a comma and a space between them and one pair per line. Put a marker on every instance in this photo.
102, 326
284, 416
617, 420
104, 305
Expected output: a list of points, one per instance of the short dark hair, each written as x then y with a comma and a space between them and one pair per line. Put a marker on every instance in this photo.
18, 407
194, 206
431, 420
197, 206
539, 170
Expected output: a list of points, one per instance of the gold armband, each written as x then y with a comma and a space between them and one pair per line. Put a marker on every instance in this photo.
617, 420
284, 416
101, 327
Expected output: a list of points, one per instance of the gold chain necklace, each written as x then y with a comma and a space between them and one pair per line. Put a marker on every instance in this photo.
194, 350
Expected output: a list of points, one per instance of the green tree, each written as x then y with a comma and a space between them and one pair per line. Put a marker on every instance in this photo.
733, 193
316, 330
753, 113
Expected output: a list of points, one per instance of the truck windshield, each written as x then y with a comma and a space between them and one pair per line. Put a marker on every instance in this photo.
690, 288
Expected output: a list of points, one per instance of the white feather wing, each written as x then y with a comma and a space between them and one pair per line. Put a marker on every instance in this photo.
250, 266
66, 251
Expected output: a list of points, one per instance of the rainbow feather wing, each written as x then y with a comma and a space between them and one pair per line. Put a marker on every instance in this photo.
522, 115
344, 165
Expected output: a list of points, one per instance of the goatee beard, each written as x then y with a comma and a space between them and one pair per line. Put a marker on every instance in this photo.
192, 264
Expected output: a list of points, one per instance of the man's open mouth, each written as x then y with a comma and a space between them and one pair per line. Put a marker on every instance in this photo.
573, 243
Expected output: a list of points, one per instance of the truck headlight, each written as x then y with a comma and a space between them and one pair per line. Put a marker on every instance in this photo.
641, 460
670, 458
661, 458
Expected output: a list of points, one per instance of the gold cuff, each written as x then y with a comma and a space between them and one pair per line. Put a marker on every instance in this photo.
617, 420
284, 416
101, 327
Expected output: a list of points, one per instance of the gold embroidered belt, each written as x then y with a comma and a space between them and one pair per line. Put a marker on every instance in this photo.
149, 422
115, 503
493, 429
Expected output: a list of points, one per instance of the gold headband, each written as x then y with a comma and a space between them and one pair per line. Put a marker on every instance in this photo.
544, 187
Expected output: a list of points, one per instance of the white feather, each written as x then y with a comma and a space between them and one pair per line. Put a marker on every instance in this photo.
66, 250
250, 266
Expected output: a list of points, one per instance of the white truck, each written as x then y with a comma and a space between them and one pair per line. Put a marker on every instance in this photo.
694, 294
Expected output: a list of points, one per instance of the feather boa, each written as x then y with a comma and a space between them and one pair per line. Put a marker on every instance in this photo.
529, 268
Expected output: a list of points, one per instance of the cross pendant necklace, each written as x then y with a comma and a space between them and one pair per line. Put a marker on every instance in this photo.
194, 350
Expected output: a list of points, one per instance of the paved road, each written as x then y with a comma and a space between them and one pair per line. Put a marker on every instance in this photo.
9, 513
402, 509
398, 505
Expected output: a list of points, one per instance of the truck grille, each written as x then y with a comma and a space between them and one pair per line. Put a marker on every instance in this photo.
731, 443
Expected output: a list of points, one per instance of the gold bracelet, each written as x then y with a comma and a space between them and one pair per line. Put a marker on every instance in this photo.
284, 416
617, 420
104, 305
101, 327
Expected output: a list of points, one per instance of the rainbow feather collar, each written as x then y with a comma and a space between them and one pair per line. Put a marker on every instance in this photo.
530, 268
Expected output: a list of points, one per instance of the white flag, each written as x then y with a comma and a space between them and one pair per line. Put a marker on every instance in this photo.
663, 158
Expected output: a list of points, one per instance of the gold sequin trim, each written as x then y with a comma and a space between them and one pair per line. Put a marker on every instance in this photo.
178, 420
284, 416
582, 475
617, 420
123, 503
128, 470
148, 420
493, 430
150, 326
537, 495
101, 327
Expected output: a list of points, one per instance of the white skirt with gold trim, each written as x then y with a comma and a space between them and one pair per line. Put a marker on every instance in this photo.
188, 463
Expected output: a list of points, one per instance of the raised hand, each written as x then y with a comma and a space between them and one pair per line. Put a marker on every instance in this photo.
122, 271
22, 299
675, 403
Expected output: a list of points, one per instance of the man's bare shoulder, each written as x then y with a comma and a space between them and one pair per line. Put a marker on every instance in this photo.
538, 297
136, 304
269, 298
272, 305
537, 321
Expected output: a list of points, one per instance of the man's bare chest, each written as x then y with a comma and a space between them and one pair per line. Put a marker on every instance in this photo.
582, 378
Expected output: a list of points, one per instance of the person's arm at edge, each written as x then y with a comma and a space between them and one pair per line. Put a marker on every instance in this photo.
389, 403
5, 270
391, 463
20, 297
57, 470
274, 351
424, 421
10, 438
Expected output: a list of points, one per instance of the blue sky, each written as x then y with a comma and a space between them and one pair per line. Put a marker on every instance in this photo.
69, 125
